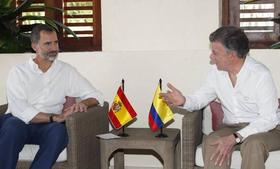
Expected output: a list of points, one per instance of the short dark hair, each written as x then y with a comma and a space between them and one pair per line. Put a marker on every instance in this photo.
232, 38
35, 34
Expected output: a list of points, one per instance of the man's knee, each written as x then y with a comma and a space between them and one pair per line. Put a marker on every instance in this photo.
14, 128
58, 134
253, 143
209, 139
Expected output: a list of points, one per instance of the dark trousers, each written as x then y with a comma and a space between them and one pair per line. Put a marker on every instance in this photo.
52, 138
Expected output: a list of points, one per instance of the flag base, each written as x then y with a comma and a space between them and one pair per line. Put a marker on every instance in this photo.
161, 135
123, 135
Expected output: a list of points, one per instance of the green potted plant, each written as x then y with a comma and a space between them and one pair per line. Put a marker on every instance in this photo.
15, 37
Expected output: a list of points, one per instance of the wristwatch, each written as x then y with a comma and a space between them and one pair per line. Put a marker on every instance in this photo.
51, 118
237, 138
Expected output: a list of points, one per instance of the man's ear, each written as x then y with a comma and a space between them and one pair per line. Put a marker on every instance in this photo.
34, 46
233, 54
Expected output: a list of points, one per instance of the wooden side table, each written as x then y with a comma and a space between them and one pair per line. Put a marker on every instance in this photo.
169, 148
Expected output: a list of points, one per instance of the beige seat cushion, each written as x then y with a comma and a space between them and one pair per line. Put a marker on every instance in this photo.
29, 151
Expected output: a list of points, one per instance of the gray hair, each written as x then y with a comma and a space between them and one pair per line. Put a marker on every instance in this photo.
232, 38
35, 34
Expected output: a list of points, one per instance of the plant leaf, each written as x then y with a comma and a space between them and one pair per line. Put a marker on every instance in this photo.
48, 20
25, 28
275, 46
23, 6
16, 37
67, 29
5, 3
43, 7
14, 13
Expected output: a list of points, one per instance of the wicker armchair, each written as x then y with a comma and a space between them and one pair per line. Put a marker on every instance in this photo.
83, 148
191, 136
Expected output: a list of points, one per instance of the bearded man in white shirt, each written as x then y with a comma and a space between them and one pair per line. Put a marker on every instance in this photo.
248, 97
36, 92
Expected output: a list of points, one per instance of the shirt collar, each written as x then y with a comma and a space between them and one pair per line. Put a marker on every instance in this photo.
243, 69
34, 67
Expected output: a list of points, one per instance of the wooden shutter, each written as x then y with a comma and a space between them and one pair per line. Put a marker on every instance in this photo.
255, 19
32, 11
84, 18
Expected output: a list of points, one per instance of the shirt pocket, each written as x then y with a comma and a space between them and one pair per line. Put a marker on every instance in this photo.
246, 103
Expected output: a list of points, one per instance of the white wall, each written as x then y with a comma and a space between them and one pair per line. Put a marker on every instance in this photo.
157, 24
144, 40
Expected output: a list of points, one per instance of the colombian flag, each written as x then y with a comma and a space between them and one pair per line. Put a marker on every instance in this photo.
121, 112
160, 112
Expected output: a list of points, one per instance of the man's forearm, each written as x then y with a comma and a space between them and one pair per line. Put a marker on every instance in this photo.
48, 117
90, 102
41, 118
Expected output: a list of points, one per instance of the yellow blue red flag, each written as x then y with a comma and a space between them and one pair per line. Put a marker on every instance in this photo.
121, 111
160, 112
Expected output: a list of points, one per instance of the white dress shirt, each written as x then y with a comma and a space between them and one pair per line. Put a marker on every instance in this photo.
253, 99
30, 91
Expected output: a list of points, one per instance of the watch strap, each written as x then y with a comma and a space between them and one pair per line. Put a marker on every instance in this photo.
51, 118
237, 138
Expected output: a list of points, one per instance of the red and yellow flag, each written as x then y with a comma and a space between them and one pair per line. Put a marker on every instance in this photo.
121, 111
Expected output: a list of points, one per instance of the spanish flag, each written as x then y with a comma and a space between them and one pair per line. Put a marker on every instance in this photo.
121, 112
160, 112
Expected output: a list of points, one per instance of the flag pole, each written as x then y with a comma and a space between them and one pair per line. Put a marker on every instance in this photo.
123, 134
161, 134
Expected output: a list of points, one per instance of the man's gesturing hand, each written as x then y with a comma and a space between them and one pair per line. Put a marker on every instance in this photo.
173, 97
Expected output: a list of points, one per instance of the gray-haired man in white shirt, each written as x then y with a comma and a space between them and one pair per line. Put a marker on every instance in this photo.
36, 92
249, 100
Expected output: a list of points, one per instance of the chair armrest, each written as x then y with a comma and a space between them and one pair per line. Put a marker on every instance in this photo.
83, 148
191, 135
3, 108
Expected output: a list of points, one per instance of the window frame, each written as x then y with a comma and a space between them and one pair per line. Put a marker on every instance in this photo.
258, 40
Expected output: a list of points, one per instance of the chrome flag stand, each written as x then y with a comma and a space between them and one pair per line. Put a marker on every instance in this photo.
161, 134
123, 134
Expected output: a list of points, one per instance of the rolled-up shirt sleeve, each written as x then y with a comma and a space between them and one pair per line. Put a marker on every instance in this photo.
17, 99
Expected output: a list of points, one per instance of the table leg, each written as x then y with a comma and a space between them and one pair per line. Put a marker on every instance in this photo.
104, 164
178, 155
168, 159
119, 160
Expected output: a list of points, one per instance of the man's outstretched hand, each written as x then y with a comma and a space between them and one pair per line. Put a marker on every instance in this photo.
173, 96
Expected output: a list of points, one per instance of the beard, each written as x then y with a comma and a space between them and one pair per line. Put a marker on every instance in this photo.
212, 62
51, 56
